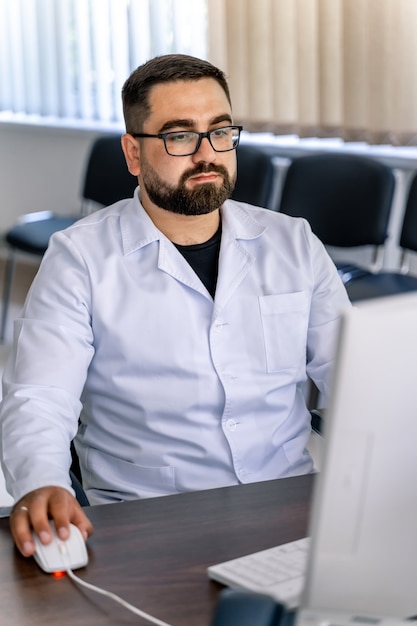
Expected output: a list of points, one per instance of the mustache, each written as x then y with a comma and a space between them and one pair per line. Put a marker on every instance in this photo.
204, 168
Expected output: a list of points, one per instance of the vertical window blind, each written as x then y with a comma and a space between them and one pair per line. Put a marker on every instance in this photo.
68, 59
344, 68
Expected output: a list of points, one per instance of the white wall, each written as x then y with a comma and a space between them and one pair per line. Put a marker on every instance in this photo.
40, 169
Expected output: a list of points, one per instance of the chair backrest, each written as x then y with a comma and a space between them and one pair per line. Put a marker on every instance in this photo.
346, 198
255, 176
107, 178
408, 237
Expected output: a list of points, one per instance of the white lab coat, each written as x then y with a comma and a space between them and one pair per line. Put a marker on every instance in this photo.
175, 392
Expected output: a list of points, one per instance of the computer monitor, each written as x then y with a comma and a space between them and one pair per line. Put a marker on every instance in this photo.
364, 517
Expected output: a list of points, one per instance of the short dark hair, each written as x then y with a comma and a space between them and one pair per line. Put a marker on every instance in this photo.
162, 69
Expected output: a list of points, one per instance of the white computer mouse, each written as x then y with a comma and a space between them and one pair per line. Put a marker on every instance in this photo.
60, 555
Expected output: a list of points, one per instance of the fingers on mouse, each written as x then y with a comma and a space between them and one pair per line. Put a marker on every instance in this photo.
59, 555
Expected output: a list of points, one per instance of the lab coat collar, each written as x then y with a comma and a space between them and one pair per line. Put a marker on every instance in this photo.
238, 218
138, 230
238, 224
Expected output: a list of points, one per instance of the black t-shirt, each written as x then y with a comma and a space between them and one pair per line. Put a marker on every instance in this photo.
204, 259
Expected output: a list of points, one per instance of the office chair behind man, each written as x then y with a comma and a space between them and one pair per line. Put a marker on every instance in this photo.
255, 176
106, 180
347, 200
370, 285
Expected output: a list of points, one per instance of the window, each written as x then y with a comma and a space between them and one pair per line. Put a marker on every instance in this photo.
68, 59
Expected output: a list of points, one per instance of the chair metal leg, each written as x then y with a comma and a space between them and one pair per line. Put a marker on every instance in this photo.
7, 289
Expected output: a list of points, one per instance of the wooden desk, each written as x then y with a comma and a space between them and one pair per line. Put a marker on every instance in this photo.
154, 553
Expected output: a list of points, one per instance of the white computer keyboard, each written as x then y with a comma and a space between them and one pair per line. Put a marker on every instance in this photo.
278, 572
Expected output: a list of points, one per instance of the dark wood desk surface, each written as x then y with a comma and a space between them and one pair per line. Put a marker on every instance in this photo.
154, 553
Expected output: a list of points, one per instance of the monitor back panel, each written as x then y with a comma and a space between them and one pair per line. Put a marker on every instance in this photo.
364, 517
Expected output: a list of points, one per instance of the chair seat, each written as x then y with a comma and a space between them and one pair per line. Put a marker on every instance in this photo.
348, 271
379, 285
33, 236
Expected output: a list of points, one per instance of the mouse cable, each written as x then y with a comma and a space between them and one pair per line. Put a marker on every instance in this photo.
116, 598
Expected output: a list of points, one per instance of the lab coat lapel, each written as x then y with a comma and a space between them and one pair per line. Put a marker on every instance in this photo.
173, 263
236, 259
144, 233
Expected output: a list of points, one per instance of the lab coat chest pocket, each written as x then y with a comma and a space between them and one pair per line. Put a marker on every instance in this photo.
285, 325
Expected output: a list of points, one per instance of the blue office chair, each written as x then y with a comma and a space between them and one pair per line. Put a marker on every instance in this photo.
370, 285
107, 180
347, 200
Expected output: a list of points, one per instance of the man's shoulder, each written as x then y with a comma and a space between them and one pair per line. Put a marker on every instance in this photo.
102, 214
101, 223
99, 230
239, 211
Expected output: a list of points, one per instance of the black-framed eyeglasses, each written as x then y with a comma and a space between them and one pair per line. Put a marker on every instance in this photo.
187, 142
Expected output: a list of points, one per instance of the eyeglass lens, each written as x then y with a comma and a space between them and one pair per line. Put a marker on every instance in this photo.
186, 142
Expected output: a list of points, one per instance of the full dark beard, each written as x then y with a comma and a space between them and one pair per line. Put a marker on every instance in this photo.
204, 199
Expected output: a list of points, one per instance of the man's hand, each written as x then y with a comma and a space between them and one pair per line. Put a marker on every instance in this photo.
33, 512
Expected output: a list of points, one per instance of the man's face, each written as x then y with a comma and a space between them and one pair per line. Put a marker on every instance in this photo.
188, 185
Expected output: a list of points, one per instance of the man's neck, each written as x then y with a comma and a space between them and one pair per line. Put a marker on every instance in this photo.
185, 230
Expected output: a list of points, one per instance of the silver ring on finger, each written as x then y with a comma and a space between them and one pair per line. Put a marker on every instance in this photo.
22, 508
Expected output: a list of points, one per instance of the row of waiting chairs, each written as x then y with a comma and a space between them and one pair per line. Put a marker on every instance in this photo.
346, 198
